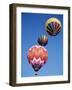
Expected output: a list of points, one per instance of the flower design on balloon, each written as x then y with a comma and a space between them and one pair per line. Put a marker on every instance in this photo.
53, 26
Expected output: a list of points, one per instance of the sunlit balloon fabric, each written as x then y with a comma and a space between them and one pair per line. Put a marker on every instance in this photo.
43, 40
53, 26
37, 56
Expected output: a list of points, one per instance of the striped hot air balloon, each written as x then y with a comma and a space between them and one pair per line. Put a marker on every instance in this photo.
37, 57
53, 26
43, 40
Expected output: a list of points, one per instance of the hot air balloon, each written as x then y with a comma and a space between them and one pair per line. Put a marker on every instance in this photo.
53, 26
43, 40
37, 57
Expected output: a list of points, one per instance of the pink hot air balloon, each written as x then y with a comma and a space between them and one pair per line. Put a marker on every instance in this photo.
37, 56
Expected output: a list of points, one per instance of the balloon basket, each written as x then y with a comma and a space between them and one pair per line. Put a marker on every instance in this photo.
36, 74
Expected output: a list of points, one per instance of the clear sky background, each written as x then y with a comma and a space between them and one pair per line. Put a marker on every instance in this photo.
33, 25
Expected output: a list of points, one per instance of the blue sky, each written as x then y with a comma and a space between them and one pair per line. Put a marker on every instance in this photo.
33, 25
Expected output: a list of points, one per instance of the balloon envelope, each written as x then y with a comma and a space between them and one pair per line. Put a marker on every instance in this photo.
37, 56
53, 26
43, 40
